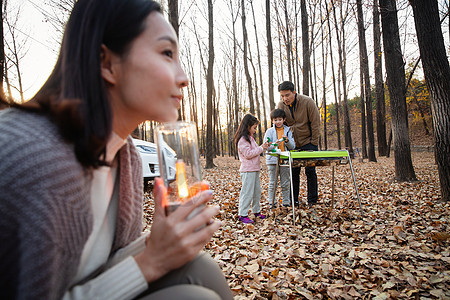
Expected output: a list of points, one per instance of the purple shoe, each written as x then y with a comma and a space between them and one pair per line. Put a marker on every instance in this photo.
245, 220
258, 215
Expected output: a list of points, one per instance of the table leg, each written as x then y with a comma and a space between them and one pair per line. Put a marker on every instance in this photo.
292, 188
356, 187
332, 189
277, 173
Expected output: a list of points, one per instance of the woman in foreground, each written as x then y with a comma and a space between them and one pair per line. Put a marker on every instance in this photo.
71, 186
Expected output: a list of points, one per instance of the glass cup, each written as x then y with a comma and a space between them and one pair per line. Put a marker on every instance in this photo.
179, 163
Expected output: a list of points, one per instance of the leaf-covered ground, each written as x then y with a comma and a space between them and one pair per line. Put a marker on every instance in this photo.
398, 249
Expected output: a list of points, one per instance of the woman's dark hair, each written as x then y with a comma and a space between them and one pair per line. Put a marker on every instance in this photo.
247, 122
277, 113
75, 95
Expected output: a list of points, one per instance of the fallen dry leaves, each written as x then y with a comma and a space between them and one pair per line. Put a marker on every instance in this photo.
399, 248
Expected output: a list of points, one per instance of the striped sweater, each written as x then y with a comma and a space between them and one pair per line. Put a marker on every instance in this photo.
45, 214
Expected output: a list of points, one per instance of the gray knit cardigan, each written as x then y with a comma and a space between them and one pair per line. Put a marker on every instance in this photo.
45, 213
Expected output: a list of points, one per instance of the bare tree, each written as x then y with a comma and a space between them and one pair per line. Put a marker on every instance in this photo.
324, 76
336, 99
288, 40
379, 85
173, 15
259, 68
173, 20
247, 72
340, 36
305, 43
437, 74
56, 13
270, 55
16, 51
363, 114
365, 71
209, 90
395, 70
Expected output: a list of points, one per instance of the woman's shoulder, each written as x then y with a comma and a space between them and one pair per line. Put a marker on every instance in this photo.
30, 141
21, 124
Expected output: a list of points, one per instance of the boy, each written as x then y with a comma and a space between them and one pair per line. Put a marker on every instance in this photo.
279, 131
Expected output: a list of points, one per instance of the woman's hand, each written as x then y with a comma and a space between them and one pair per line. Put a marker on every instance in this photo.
174, 240
265, 145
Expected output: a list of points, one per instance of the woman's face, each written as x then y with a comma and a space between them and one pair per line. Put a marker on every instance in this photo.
147, 81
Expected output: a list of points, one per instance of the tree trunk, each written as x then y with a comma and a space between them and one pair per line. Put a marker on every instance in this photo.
363, 113
258, 106
173, 15
173, 20
342, 64
270, 56
437, 75
260, 70
209, 91
324, 75
367, 90
305, 43
234, 72
395, 70
379, 85
288, 41
247, 73
336, 103
296, 55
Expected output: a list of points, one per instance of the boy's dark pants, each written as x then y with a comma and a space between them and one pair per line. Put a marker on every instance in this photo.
311, 178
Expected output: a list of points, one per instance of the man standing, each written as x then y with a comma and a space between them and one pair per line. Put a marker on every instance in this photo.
303, 117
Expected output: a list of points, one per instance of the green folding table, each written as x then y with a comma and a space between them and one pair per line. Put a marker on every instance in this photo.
295, 159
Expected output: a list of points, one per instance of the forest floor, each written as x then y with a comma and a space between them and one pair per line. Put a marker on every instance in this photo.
398, 249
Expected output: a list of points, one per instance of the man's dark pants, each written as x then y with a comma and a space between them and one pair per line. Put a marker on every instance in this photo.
311, 178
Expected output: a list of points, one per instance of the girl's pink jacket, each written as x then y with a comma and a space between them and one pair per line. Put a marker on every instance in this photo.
249, 155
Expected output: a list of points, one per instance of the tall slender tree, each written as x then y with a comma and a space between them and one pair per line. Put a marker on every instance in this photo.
367, 91
270, 55
395, 71
173, 15
340, 36
305, 44
336, 99
379, 85
259, 68
437, 75
363, 114
247, 72
173, 20
209, 90
288, 40
324, 76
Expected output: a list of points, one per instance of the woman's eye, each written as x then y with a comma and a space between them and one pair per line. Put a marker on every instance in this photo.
168, 53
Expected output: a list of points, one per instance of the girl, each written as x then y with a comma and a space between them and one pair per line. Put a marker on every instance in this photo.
249, 153
71, 197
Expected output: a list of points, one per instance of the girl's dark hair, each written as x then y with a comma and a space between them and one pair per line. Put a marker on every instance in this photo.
75, 95
247, 122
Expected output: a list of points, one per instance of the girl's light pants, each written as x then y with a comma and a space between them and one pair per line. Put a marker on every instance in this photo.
250, 194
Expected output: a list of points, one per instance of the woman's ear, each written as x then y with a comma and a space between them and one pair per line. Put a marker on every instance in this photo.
106, 65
